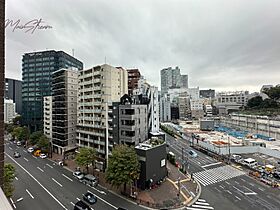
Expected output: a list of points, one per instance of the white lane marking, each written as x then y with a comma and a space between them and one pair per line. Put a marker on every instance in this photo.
104, 201
251, 184
190, 208
34, 157
67, 177
203, 207
10, 148
29, 194
243, 180
16, 178
212, 164
200, 203
25, 151
57, 182
227, 182
236, 182
221, 187
229, 192
49, 165
38, 182
238, 198
13, 203
78, 199
250, 193
72, 203
261, 189
25, 159
201, 200
20, 199
40, 169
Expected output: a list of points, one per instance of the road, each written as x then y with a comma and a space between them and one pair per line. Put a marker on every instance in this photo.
42, 185
223, 186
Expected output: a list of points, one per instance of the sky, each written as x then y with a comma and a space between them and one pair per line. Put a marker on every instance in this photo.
221, 44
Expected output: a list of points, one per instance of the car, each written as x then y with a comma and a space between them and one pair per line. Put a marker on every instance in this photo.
30, 149
43, 156
80, 205
16, 154
121, 208
79, 175
15, 141
193, 153
90, 198
18, 143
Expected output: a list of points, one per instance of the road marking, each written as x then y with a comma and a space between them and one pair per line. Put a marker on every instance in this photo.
72, 203
251, 184
229, 192
200, 203
201, 200
227, 182
40, 169
16, 178
238, 198
78, 199
261, 189
13, 203
67, 177
243, 180
34, 157
250, 193
221, 187
236, 182
100, 191
203, 207
57, 182
25, 159
38, 182
29, 194
104, 201
212, 164
25, 151
10, 148
20, 199
49, 165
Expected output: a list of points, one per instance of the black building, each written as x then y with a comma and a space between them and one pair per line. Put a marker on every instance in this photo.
13, 91
207, 93
174, 111
37, 68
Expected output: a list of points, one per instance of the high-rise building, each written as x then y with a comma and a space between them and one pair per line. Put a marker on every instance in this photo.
133, 78
172, 78
184, 105
37, 68
13, 91
48, 116
99, 87
165, 108
9, 110
64, 109
207, 93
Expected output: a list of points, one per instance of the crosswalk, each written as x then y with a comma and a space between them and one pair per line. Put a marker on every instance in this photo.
200, 204
215, 175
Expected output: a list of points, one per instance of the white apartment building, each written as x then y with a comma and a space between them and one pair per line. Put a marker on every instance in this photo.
98, 88
9, 110
47, 107
197, 108
193, 93
165, 108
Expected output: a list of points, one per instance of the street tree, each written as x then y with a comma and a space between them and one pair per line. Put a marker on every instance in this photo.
9, 175
21, 133
35, 136
123, 167
43, 143
273, 93
255, 102
85, 157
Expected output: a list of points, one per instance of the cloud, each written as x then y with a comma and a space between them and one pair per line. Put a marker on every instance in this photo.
220, 44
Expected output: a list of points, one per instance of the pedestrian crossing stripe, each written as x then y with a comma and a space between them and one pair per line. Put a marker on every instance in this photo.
215, 175
200, 204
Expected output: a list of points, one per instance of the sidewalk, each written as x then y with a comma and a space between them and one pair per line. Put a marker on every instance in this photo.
163, 196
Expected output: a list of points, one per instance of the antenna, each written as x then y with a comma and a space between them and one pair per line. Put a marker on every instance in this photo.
73, 52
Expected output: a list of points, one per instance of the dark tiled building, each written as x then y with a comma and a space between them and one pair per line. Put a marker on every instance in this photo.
207, 93
37, 68
13, 91
133, 78
2, 79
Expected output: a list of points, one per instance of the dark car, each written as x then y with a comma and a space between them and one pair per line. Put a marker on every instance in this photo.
90, 198
120, 208
80, 205
16, 154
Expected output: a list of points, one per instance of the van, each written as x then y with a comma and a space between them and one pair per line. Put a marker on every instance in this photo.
90, 180
193, 153
250, 162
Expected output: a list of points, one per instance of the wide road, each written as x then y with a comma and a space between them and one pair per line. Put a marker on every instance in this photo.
223, 186
42, 185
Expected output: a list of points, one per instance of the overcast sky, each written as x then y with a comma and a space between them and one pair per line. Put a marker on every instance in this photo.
220, 44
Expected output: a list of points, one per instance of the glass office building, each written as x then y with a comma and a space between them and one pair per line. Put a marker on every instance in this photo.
37, 69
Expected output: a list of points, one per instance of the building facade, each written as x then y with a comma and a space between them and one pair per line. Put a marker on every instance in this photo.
64, 109
197, 108
165, 108
48, 116
37, 68
133, 78
13, 91
99, 87
207, 93
9, 110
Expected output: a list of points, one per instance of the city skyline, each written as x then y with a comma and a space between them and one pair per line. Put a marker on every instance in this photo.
220, 45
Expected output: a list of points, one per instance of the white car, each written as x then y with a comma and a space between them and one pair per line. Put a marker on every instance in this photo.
30, 149
18, 143
43, 156
79, 175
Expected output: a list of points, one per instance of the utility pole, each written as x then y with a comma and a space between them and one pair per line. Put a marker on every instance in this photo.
179, 189
107, 133
228, 149
183, 159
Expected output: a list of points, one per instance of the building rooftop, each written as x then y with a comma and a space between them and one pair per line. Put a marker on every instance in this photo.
150, 143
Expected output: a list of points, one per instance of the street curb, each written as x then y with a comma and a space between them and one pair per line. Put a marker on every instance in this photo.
197, 196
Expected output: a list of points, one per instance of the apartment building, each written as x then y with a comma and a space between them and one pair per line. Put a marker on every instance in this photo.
133, 77
184, 106
13, 91
9, 110
64, 109
197, 108
207, 93
165, 108
48, 116
99, 87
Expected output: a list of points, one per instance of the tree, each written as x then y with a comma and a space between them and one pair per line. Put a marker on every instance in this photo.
21, 133
9, 175
10, 128
35, 136
273, 93
255, 102
43, 143
85, 157
269, 103
17, 120
123, 167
